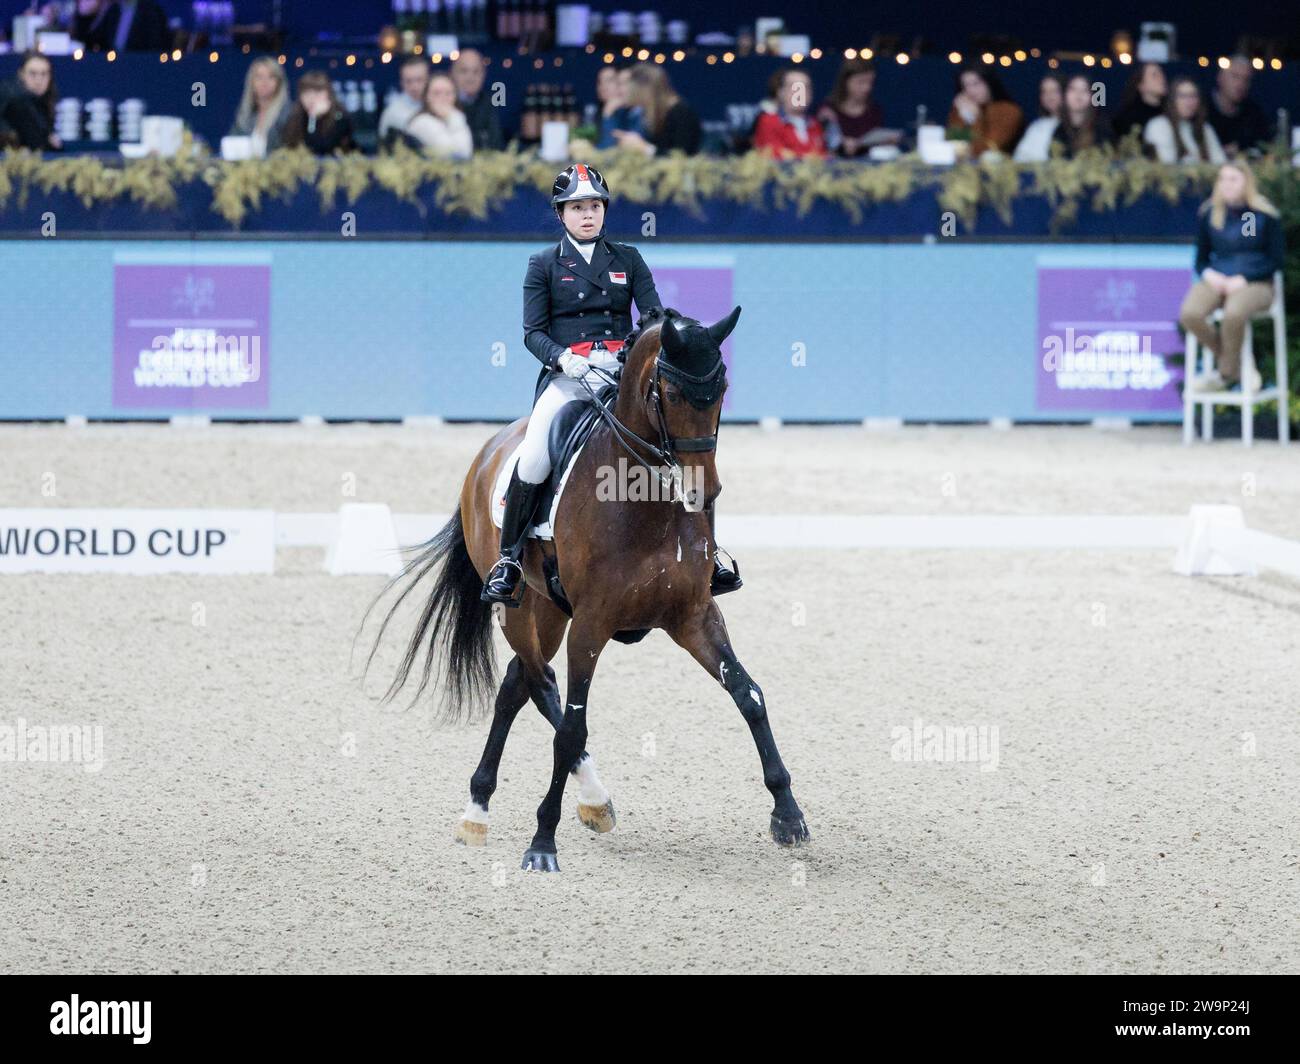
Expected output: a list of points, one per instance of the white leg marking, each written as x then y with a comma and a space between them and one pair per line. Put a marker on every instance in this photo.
590, 790
475, 813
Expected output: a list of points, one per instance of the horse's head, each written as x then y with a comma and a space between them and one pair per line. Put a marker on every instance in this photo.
674, 379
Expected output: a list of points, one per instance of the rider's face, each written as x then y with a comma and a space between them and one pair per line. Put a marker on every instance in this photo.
584, 218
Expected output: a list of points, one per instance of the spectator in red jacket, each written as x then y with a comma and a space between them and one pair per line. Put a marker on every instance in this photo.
789, 131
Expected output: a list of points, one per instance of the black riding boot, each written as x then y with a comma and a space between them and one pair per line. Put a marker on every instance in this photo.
503, 580
724, 579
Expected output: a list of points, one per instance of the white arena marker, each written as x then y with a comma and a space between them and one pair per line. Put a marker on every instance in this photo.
75, 421
311, 421
1199, 556
423, 421
1111, 424
366, 541
190, 421
1000, 424
882, 424
769, 424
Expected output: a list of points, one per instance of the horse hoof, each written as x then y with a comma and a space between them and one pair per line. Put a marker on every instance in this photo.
470, 833
790, 832
600, 818
538, 861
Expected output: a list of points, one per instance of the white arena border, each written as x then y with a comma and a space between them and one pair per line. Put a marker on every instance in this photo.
1210, 540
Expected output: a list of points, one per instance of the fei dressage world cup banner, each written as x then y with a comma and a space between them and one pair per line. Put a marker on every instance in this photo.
191, 333
137, 541
1103, 336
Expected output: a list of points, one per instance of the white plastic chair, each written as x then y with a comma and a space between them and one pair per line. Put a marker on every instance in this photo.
1209, 400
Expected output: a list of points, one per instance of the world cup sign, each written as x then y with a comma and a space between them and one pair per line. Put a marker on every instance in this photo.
191, 336
1103, 337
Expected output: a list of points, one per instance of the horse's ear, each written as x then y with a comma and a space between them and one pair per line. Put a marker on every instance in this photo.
671, 339
719, 331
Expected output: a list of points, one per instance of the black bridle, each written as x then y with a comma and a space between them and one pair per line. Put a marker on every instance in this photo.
669, 447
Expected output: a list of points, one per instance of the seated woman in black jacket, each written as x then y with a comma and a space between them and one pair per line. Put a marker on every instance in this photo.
669, 122
1239, 247
318, 121
27, 106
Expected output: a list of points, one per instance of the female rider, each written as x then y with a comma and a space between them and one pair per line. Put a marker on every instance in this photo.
577, 309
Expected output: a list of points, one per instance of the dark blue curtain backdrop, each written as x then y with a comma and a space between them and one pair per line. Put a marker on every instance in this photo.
1203, 27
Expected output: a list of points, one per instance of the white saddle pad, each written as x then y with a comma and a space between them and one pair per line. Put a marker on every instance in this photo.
542, 527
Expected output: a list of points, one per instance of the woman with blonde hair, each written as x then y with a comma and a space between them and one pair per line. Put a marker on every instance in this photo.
668, 121
264, 107
1239, 248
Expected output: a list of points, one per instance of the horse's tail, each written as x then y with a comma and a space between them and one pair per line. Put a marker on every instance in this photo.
455, 626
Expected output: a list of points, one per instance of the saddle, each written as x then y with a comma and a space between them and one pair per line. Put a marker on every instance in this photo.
570, 429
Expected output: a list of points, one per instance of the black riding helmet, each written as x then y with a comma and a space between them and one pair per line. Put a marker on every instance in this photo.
578, 182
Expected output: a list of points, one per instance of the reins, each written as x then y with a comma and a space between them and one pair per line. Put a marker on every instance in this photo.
667, 449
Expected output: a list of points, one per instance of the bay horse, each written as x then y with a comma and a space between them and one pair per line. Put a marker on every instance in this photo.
626, 567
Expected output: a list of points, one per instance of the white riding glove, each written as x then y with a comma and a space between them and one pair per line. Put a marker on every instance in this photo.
574, 366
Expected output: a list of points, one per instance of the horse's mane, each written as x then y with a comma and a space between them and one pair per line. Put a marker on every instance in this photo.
652, 317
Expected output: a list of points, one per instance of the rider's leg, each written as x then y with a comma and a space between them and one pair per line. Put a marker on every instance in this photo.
724, 579
524, 491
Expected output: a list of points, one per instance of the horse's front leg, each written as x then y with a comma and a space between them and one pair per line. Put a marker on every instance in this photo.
704, 635
584, 647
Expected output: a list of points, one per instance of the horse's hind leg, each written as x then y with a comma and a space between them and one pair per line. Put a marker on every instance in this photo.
513, 693
595, 809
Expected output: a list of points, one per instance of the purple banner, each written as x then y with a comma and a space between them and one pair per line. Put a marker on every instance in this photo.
191, 335
1102, 337
703, 293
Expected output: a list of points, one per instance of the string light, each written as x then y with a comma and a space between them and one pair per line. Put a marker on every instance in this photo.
1276, 64
212, 57
608, 57
77, 54
678, 56
711, 59
987, 57
849, 53
866, 53
816, 53
1005, 60
1223, 62
387, 57
954, 57
1257, 63
1021, 55
728, 57
902, 58
796, 57
1088, 60
1125, 58
111, 55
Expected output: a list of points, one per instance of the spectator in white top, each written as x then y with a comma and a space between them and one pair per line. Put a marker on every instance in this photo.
413, 77
1036, 145
1194, 140
441, 128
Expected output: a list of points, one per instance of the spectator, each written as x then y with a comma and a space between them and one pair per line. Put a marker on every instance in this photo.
122, 26
1082, 124
1144, 99
983, 109
1239, 247
788, 131
318, 121
1238, 121
1036, 145
615, 114
413, 78
264, 107
469, 71
849, 114
27, 106
441, 127
1182, 134
668, 123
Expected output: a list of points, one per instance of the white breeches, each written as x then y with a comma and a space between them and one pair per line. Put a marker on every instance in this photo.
534, 456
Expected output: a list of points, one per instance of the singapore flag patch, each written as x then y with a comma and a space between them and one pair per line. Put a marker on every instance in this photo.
617, 278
